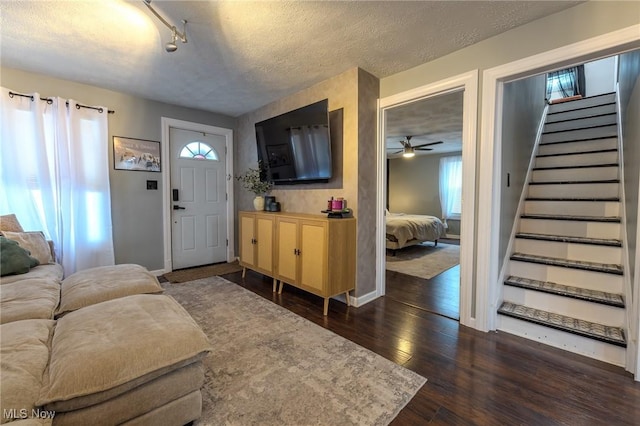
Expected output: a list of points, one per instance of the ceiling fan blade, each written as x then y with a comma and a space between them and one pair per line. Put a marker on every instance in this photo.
427, 144
397, 152
422, 149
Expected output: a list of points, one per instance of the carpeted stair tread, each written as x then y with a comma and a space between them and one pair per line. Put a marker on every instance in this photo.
581, 166
568, 239
610, 199
601, 332
610, 219
604, 298
563, 154
574, 182
608, 268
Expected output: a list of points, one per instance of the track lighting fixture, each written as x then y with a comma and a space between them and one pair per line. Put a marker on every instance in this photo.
171, 46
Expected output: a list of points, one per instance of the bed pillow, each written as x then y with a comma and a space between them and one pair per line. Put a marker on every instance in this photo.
15, 259
35, 243
9, 222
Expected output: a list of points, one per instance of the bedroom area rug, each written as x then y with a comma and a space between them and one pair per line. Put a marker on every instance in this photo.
424, 260
272, 367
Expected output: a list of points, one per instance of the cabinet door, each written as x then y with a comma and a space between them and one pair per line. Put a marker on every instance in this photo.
247, 232
313, 256
287, 243
264, 244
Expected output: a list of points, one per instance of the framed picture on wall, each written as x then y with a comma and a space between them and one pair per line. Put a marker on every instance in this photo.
136, 154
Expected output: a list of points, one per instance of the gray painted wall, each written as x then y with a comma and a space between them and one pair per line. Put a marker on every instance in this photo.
578, 23
414, 187
629, 86
136, 212
522, 111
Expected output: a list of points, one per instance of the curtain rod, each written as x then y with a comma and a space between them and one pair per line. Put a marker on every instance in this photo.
50, 101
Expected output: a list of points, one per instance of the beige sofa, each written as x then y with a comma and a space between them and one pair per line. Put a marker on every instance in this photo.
103, 346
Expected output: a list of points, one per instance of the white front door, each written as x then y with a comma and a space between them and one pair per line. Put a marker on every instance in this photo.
199, 201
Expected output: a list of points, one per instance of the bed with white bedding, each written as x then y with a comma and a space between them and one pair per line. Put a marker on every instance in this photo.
405, 230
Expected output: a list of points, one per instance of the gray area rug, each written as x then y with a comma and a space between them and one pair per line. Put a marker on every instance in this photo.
424, 260
273, 367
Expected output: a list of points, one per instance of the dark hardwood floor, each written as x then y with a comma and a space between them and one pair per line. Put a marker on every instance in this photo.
474, 378
439, 295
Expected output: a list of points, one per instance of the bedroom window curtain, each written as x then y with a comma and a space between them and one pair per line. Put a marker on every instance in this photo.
54, 170
451, 187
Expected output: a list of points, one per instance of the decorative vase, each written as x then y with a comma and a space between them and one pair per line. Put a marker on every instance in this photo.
258, 202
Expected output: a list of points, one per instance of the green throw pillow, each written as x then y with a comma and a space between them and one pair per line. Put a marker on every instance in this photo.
14, 259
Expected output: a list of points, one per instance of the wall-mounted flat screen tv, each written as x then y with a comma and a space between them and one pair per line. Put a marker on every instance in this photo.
295, 147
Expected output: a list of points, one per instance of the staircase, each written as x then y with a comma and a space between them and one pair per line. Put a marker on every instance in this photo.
564, 285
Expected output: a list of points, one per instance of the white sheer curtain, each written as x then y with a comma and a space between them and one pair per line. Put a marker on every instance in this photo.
310, 145
451, 187
54, 170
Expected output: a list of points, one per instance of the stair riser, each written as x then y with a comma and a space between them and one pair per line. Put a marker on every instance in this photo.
570, 251
582, 103
580, 146
580, 113
571, 228
578, 160
573, 175
577, 344
568, 276
581, 123
598, 132
575, 308
605, 190
573, 208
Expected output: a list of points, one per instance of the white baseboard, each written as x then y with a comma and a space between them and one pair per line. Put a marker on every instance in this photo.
360, 300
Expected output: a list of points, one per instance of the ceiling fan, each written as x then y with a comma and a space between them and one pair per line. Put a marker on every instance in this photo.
409, 151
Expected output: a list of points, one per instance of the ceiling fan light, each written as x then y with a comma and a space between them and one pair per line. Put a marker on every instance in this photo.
408, 152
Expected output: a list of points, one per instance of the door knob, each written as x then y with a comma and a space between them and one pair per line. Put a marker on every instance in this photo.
179, 208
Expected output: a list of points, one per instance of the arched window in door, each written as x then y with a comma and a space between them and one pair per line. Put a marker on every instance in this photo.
199, 151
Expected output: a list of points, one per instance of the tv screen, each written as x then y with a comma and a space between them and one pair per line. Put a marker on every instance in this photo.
295, 147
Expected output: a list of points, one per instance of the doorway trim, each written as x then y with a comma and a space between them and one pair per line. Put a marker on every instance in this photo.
609, 44
166, 124
468, 84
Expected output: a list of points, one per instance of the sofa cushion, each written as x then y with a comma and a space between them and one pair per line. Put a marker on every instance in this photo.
115, 343
52, 272
35, 242
9, 222
28, 299
95, 285
147, 397
24, 353
15, 259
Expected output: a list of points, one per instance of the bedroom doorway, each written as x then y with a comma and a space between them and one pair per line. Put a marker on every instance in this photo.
424, 183
436, 124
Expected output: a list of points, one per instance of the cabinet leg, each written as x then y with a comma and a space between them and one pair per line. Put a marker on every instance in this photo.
346, 296
275, 284
281, 285
326, 306
244, 272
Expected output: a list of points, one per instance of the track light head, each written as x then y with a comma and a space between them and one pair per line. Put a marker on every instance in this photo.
170, 46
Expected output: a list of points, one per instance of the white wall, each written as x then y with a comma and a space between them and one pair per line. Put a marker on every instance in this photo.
600, 76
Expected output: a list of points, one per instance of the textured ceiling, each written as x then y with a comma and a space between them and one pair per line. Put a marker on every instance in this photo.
241, 55
434, 119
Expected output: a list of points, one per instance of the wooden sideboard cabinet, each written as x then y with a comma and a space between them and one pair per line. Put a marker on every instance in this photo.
311, 252
256, 243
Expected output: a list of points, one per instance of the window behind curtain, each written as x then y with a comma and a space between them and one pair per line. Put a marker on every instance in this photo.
451, 187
